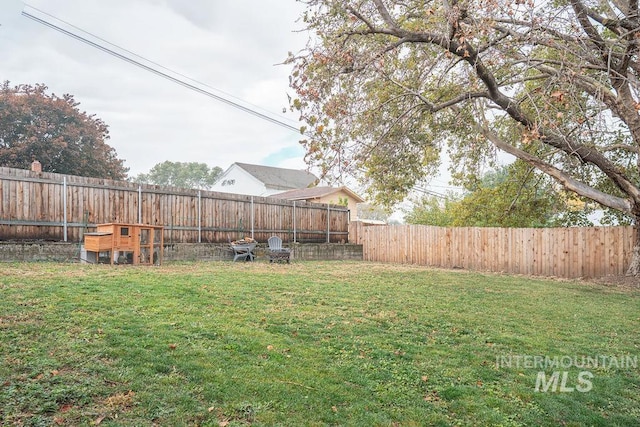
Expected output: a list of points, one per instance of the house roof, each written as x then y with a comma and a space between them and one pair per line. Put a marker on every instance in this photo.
279, 178
316, 193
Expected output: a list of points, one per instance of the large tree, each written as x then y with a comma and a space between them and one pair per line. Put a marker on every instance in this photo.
386, 85
35, 125
181, 174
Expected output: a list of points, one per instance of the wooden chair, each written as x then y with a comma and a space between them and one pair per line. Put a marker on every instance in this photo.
276, 252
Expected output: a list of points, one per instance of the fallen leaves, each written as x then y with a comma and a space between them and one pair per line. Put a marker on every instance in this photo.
120, 400
557, 96
116, 402
432, 396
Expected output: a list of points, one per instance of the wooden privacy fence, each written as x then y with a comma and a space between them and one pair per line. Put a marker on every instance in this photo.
49, 206
561, 252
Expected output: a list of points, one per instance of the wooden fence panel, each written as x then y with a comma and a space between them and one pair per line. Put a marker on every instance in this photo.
62, 207
560, 252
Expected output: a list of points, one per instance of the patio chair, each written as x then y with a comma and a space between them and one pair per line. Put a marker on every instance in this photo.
276, 252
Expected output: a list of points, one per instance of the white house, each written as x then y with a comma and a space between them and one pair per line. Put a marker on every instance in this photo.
257, 180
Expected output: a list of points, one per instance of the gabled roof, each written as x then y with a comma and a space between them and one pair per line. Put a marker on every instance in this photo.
279, 178
316, 193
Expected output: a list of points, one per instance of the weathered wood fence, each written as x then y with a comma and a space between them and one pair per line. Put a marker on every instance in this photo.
49, 206
561, 252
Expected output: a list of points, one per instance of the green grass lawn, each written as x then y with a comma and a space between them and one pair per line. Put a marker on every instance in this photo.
311, 343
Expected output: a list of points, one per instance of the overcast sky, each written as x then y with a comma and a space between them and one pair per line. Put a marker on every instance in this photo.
232, 46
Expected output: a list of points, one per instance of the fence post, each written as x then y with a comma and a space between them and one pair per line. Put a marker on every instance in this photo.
252, 218
294, 222
328, 223
199, 216
170, 223
64, 203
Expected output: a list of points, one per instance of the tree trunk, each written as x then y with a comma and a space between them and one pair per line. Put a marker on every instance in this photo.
634, 265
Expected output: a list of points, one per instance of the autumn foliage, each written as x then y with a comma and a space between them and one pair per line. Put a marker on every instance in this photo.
388, 89
35, 125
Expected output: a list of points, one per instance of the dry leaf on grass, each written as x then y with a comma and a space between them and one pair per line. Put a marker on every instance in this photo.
120, 400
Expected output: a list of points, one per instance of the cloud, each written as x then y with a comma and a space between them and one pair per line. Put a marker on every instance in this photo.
231, 47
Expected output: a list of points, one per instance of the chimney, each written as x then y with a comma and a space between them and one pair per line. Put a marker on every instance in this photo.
36, 166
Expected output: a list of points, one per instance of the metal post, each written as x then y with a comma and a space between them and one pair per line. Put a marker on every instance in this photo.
294, 222
139, 204
199, 216
328, 223
252, 218
171, 223
64, 203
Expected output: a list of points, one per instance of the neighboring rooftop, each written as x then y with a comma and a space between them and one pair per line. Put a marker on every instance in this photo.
279, 178
316, 193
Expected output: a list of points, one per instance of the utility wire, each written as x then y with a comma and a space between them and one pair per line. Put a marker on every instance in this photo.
152, 69
431, 193
94, 36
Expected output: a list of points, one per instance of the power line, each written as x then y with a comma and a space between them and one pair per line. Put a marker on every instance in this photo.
431, 193
150, 68
146, 59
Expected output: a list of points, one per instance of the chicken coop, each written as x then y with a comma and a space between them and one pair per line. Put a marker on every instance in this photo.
117, 243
